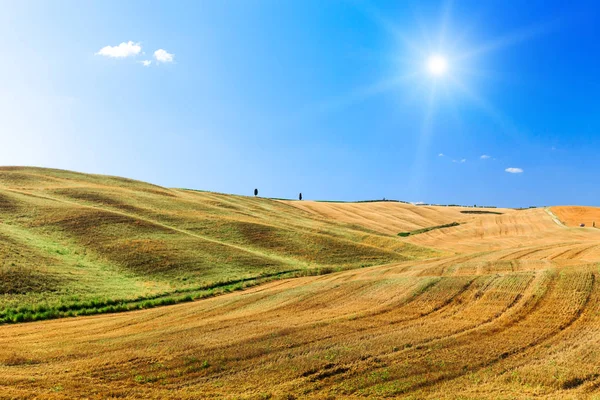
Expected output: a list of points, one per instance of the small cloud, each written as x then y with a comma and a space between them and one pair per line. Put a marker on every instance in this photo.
146, 63
441, 155
121, 51
464, 160
484, 157
514, 170
163, 56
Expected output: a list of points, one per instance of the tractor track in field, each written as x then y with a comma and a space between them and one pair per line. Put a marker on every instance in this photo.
507, 354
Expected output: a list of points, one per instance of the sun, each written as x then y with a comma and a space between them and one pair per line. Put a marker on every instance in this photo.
437, 65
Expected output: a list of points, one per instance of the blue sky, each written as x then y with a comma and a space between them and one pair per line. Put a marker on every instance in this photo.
333, 99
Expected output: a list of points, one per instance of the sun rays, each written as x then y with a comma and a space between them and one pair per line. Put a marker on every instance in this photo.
444, 67
438, 65
441, 52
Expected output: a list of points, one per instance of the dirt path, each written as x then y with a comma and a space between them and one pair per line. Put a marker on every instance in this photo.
554, 217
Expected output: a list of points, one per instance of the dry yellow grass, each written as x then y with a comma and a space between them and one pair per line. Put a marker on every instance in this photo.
510, 310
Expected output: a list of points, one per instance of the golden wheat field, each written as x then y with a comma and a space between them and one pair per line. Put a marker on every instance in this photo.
504, 305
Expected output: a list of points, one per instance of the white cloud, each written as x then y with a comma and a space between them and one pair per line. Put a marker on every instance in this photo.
484, 157
146, 63
441, 155
121, 51
514, 170
162, 56
464, 160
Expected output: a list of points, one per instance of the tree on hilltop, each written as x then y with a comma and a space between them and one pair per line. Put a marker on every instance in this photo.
300, 196
255, 192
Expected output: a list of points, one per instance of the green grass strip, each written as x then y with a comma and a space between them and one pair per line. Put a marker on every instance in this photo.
103, 306
480, 212
431, 228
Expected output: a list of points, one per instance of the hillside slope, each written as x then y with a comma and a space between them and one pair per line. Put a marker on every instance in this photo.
74, 241
512, 313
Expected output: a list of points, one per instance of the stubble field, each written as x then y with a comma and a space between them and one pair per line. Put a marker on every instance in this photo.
504, 305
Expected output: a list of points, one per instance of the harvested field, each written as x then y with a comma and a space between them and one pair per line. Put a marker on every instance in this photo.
576, 215
501, 306
386, 216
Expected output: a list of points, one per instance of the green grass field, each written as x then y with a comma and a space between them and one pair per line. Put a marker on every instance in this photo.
76, 244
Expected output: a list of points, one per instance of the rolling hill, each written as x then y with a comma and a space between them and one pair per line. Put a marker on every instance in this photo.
503, 305
78, 244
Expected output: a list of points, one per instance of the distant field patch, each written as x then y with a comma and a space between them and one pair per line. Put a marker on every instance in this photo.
576, 215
